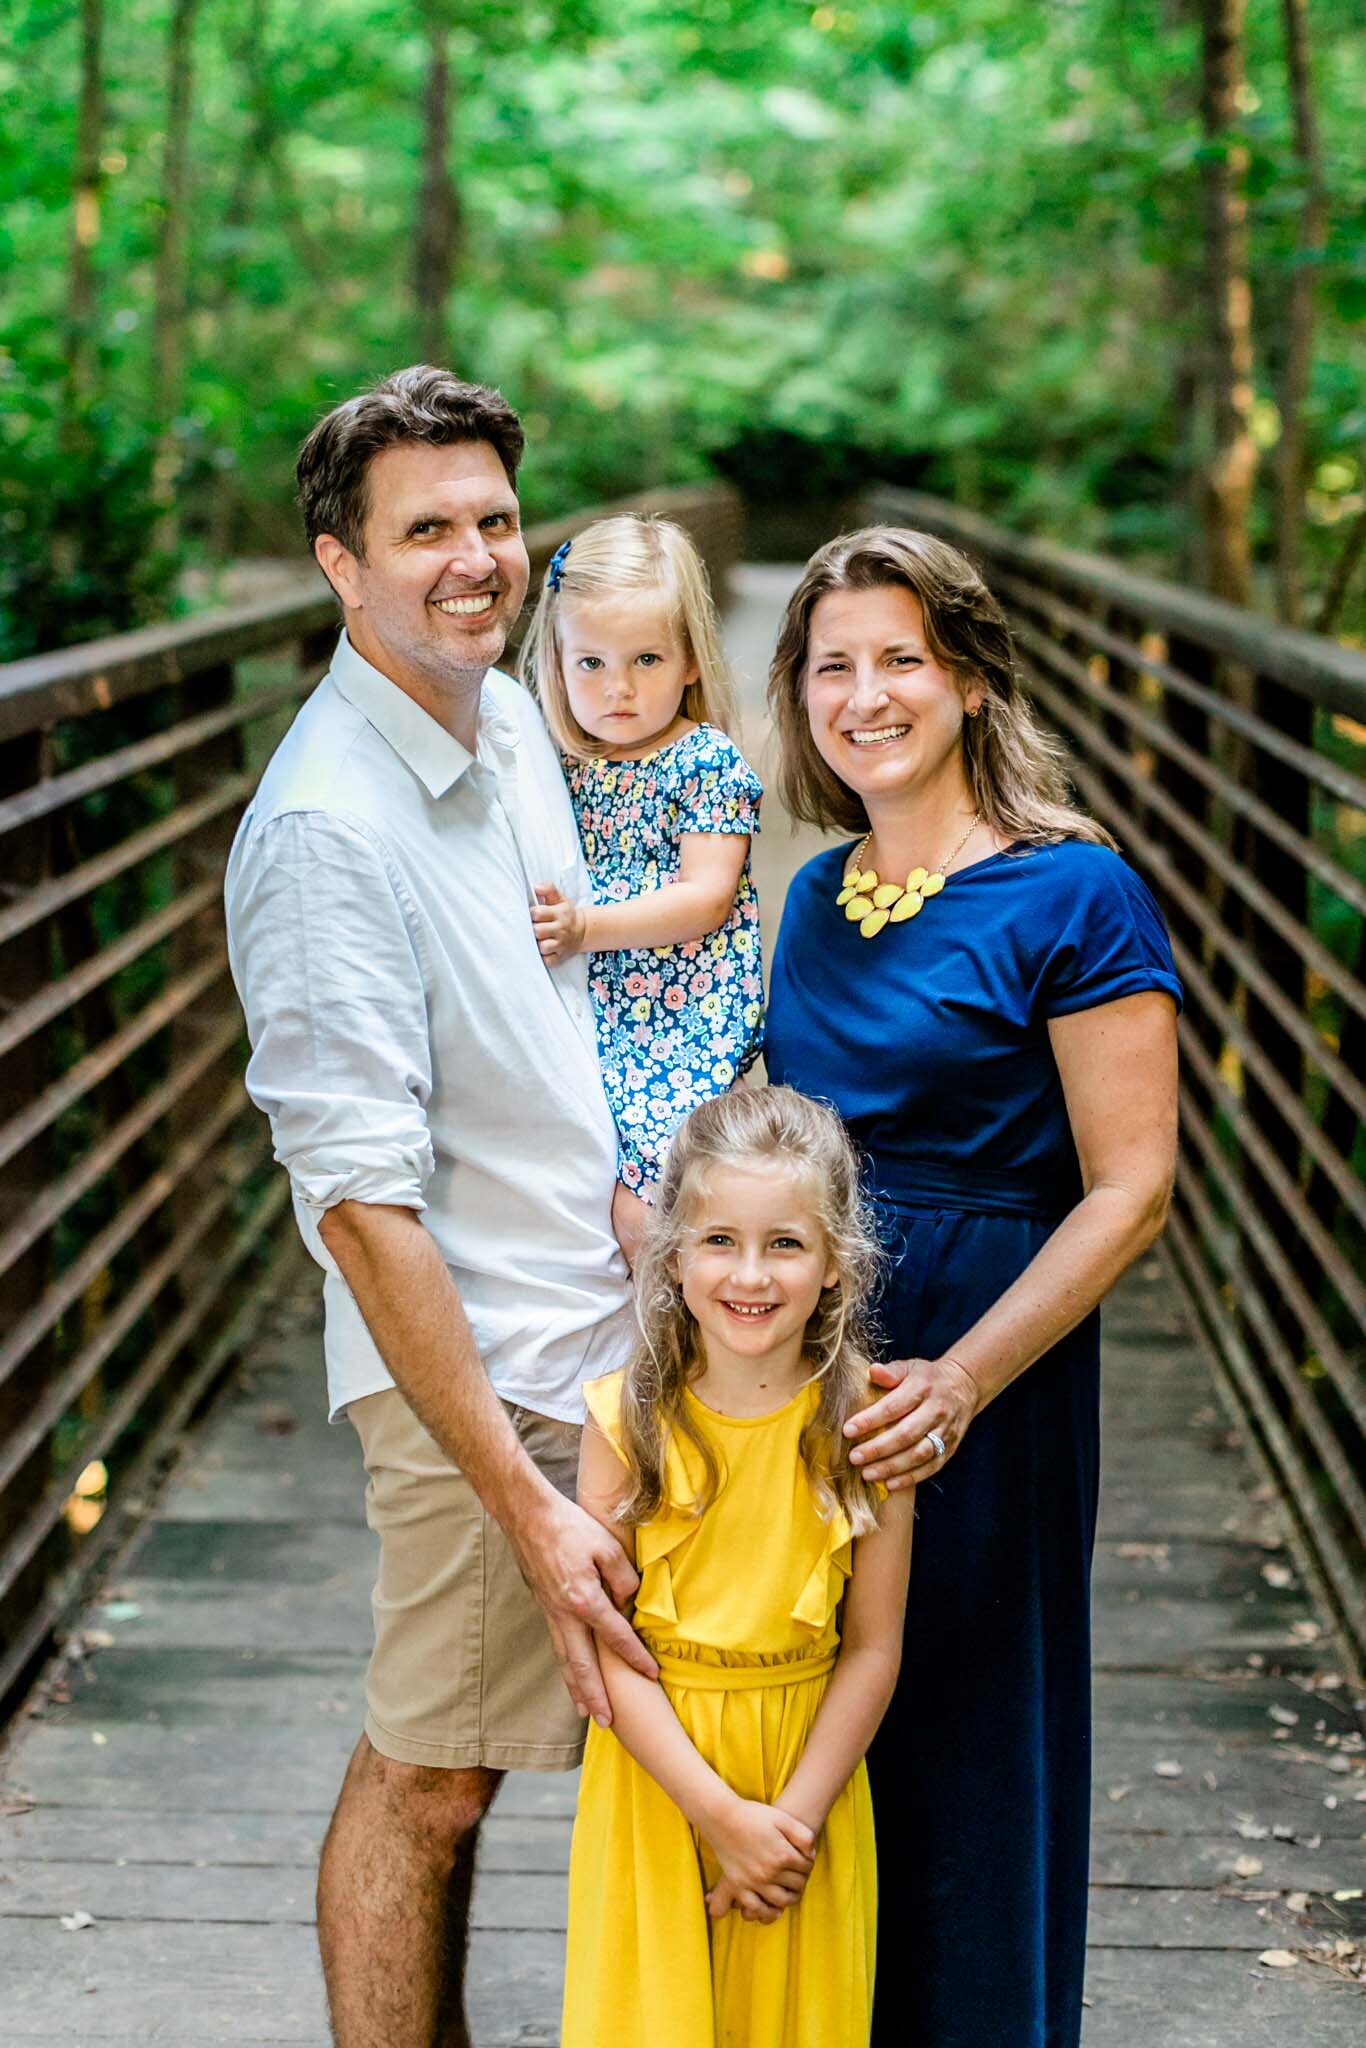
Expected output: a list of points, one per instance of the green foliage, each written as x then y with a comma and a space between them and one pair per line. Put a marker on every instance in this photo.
956, 242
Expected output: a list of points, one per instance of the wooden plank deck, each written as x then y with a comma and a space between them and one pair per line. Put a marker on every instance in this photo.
173, 1783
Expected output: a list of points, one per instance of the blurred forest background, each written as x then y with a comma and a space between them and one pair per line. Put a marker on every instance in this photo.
1096, 268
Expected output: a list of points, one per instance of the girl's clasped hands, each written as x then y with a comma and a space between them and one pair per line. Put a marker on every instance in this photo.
765, 1855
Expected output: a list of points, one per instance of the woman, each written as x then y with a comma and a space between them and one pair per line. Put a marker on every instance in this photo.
986, 993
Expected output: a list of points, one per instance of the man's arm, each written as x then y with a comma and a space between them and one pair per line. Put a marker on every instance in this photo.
411, 1306
327, 965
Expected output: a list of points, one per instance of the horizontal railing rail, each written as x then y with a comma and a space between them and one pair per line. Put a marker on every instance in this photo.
143, 1229
1227, 756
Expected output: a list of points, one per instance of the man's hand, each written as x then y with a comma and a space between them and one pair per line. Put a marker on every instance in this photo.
765, 1856
582, 1578
560, 926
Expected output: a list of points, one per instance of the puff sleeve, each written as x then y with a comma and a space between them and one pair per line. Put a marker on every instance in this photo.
718, 790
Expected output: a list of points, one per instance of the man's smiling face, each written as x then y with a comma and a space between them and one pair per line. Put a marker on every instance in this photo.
445, 569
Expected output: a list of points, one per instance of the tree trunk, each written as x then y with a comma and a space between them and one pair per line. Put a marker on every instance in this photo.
86, 186
1299, 352
438, 218
1226, 492
249, 50
1344, 569
168, 343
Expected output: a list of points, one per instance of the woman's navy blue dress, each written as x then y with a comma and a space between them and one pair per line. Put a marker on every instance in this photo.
932, 1042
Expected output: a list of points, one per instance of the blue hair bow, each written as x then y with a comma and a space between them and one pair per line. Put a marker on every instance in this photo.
555, 573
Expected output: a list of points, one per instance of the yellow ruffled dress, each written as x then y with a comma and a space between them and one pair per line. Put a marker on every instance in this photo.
741, 1610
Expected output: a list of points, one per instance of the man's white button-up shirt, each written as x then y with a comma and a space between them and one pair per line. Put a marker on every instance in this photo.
408, 1043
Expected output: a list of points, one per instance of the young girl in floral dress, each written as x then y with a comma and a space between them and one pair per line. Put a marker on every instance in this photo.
624, 654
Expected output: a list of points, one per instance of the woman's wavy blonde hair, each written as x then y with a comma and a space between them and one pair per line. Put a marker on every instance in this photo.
1016, 770
752, 1127
614, 558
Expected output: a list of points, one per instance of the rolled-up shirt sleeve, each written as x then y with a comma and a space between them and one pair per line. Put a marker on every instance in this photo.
325, 953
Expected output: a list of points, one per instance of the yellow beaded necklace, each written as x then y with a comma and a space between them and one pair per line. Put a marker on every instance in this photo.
871, 904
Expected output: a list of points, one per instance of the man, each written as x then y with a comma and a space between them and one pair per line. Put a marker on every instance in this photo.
433, 1091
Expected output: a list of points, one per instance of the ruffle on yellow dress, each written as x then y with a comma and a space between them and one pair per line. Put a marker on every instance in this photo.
740, 1607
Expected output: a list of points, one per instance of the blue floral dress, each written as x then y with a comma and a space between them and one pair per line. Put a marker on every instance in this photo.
676, 1024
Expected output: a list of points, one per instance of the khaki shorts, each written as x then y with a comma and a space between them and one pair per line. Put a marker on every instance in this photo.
462, 1672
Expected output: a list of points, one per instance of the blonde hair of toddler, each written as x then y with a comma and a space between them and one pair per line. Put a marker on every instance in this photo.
614, 558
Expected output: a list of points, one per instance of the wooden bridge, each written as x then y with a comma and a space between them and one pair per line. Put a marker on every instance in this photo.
169, 1777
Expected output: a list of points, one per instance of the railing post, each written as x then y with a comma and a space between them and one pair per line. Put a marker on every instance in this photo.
24, 969
1286, 791
201, 856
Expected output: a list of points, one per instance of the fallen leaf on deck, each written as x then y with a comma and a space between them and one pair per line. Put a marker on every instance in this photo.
10, 1807
1167, 1769
1352, 1892
1342, 1957
1249, 1866
1118, 1792
1297, 1902
277, 1421
1305, 1631
1278, 1959
1284, 1716
74, 1922
1250, 1830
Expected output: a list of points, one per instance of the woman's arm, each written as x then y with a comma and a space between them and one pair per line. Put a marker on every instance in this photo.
1117, 1064
765, 1854
694, 904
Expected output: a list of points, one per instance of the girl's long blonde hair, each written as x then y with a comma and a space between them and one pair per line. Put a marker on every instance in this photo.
631, 552
752, 1127
1016, 769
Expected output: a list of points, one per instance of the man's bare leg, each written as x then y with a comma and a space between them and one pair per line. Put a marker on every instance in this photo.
394, 1898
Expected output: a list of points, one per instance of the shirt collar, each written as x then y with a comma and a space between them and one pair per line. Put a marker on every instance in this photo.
435, 756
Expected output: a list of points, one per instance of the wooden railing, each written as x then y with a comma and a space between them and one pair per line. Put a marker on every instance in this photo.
142, 1227
1227, 756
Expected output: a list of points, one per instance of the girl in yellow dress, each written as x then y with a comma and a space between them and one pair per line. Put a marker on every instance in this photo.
722, 1882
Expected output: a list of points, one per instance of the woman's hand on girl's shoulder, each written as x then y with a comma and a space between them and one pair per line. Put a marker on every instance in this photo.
930, 1398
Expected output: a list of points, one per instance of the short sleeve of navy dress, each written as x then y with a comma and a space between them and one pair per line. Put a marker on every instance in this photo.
932, 1038
676, 1024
